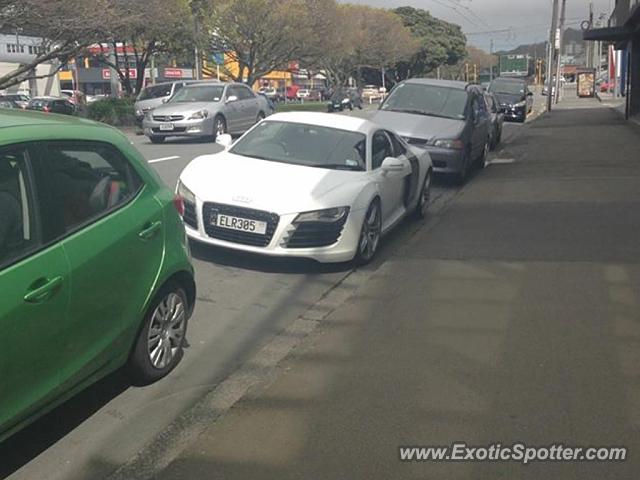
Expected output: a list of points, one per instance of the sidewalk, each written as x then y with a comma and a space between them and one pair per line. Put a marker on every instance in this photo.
512, 316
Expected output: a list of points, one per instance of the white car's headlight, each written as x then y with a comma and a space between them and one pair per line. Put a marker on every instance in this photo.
450, 143
329, 215
184, 193
199, 115
139, 113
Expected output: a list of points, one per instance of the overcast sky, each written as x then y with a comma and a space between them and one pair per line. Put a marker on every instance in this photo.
528, 20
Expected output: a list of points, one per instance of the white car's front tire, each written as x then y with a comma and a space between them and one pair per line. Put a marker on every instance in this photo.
370, 234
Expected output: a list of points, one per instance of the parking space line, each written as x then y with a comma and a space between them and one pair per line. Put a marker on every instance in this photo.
163, 159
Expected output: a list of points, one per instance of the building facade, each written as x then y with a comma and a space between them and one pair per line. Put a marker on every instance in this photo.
623, 31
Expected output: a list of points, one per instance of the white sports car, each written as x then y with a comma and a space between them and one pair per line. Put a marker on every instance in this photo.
313, 185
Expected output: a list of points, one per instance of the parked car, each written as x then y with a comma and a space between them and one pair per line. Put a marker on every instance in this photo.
206, 110
449, 119
8, 103
153, 96
344, 98
95, 272
353, 181
497, 119
269, 92
20, 99
291, 92
52, 105
76, 97
303, 94
514, 97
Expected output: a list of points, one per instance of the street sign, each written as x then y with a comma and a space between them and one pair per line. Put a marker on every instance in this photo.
106, 73
172, 73
217, 58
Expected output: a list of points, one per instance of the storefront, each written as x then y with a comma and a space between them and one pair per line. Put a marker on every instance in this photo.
624, 32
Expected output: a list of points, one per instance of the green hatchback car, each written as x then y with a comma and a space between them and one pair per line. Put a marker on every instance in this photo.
95, 269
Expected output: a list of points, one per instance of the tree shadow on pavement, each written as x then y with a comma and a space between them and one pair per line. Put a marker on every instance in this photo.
30, 442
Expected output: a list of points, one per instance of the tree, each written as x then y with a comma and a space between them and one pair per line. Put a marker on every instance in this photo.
360, 39
260, 36
66, 27
464, 68
441, 43
148, 28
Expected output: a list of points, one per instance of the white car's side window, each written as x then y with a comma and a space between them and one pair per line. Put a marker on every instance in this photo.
380, 149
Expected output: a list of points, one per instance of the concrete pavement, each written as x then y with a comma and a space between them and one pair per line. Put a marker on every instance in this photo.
511, 316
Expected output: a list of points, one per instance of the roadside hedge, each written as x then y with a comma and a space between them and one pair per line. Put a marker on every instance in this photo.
302, 107
118, 112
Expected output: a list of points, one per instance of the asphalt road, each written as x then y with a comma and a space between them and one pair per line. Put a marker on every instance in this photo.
243, 302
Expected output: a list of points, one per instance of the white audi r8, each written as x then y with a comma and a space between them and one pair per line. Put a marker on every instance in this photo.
316, 185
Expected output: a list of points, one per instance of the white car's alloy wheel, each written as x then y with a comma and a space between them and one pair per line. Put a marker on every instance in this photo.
370, 235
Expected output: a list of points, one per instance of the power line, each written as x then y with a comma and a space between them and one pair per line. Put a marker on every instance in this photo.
455, 9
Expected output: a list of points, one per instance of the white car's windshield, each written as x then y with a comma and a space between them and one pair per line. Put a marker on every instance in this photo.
209, 93
429, 100
303, 144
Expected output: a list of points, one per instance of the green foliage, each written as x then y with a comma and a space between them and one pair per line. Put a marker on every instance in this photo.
441, 43
114, 111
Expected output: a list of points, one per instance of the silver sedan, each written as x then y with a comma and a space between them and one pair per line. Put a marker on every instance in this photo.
206, 110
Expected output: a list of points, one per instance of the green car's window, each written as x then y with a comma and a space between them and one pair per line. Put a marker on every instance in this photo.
85, 181
18, 233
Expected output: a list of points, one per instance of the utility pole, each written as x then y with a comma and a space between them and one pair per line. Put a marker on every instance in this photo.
563, 12
491, 63
552, 49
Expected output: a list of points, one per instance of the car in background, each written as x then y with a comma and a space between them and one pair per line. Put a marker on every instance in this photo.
78, 202
497, 119
76, 97
447, 118
206, 110
94, 98
269, 92
306, 185
291, 92
19, 98
153, 96
52, 105
8, 103
344, 98
514, 97
303, 94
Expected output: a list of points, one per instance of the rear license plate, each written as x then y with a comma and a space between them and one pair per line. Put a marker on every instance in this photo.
239, 224
166, 127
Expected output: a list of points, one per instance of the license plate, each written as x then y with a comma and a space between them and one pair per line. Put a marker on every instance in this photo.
166, 127
240, 224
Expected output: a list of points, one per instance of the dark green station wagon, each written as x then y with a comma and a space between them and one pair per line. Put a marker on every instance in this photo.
95, 269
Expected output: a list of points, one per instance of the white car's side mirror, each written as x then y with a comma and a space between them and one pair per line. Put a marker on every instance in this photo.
393, 164
225, 140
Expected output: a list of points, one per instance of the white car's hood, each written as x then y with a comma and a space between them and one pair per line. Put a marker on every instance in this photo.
272, 186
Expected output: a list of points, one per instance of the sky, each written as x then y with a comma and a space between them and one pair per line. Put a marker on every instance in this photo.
526, 21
